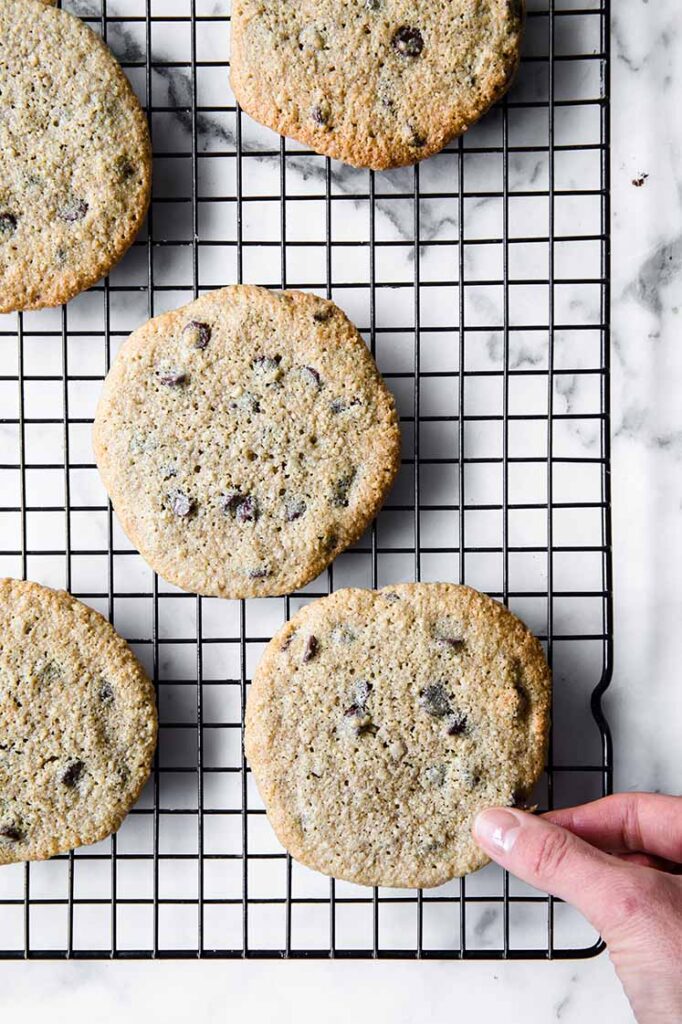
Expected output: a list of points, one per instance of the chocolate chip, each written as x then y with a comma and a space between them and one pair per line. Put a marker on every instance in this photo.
243, 507
171, 378
414, 137
342, 487
358, 719
340, 405
435, 701
106, 692
310, 648
321, 113
454, 643
390, 596
73, 210
456, 724
373, 5
286, 644
197, 334
246, 402
246, 511
519, 799
361, 693
294, 508
181, 505
72, 774
8, 225
169, 470
356, 714
322, 315
408, 42
12, 833
259, 573
353, 711
230, 500
311, 376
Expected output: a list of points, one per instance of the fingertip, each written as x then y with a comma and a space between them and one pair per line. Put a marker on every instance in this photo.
495, 829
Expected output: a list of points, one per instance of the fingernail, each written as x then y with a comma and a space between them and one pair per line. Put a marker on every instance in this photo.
496, 830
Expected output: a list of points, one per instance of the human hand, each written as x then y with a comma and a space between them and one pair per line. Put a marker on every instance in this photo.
618, 860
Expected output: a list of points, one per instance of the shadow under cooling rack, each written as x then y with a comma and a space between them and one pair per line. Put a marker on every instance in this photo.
480, 282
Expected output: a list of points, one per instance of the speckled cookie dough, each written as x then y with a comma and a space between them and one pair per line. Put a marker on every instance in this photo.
380, 722
245, 440
375, 83
76, 157
77, 724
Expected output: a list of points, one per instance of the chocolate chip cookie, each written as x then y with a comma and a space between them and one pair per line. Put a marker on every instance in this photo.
76, 158
375, 83
77, 724
380, 722
245, 440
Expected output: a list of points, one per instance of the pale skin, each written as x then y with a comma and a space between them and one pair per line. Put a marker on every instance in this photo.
619, 861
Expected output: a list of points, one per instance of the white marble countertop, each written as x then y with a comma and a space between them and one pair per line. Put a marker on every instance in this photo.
644, 702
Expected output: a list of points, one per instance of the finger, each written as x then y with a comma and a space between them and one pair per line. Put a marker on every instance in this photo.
636, 822
645, 860
555, 860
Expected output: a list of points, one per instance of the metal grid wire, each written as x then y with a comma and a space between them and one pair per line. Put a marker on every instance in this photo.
480, 281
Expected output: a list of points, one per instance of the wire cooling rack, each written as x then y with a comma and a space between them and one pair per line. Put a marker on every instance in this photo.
480, 281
